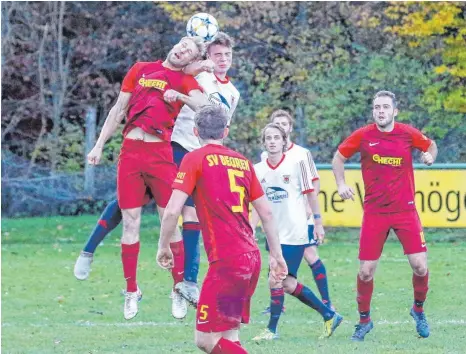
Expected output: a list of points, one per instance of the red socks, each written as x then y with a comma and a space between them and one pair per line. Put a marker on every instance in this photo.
421, 287
225, 346
177, 249
129, 258
363, 298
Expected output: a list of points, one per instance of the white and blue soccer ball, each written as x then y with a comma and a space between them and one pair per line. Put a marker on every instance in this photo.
202, 25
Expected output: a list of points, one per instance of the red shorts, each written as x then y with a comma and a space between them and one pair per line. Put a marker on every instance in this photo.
375, 229
225, 298
144, 165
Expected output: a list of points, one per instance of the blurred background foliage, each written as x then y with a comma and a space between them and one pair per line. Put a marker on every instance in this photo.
321, 60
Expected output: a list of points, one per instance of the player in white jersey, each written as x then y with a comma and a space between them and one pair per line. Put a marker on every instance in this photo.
286, 121
287, 183
221, 91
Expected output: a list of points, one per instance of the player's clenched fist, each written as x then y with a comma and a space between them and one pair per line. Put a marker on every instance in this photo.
427, 158
165, 258
171, 95
345, 192
93, 158
319, 233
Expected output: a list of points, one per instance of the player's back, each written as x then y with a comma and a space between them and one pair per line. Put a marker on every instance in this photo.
225, 185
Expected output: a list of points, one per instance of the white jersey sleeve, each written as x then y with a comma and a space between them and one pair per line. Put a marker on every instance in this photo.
222, 93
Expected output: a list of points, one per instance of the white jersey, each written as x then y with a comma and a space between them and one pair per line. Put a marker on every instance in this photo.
299, 152
285, 186
220, 93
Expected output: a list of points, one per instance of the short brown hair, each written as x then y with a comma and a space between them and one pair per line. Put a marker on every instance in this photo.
282, 113
221, 39
386, 94
211, 121
279, 128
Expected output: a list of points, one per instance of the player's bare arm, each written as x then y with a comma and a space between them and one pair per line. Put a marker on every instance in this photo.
313, 202
195, 100
278, 268
167, 229
114, 118
338, 167
198, 67
430, 155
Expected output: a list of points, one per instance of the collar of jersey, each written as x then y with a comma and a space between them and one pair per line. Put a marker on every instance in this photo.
226, 81
278, 164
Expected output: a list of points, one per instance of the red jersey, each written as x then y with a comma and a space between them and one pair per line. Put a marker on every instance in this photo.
223, 183
387, 165
147, 109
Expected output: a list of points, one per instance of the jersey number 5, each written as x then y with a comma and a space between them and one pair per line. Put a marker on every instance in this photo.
232, 174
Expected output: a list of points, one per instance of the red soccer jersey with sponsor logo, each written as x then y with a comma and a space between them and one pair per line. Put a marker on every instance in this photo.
147, 109
387, 165
223, 183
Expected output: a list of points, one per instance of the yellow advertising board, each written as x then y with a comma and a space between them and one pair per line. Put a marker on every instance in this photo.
440, 198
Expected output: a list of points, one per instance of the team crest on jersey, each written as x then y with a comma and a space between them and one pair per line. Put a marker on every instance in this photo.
276, 194
286, 179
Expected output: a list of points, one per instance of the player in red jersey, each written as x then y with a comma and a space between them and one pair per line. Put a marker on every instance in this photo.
223, 184
387, 170
151, 97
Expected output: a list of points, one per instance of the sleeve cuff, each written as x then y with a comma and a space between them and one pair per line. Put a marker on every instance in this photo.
307, 191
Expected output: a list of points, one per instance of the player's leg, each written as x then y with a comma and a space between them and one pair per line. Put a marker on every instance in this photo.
131, 191
409, 231
318, 269
374, 233
109, 219
129, 256
191, 232
225, 292
159, 176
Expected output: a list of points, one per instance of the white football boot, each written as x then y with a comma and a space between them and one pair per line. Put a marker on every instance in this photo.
82, 267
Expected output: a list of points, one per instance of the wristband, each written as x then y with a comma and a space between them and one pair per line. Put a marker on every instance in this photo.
317, 216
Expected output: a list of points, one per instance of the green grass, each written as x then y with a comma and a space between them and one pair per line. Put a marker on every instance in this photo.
46, 310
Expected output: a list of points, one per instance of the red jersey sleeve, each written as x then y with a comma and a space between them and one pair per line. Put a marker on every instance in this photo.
419, 140
189, 84
188, 174
129, 82
256, 190
351, 144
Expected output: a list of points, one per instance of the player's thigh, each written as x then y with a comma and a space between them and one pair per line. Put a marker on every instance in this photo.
225, 290
189, 214
374, 233
160, 172
206, 340
293, 255
130, 183
408, 229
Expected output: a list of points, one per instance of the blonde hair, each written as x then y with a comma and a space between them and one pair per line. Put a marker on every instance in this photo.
201, 47
279, 128
282, 113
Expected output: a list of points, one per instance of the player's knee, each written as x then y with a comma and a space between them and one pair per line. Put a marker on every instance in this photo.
289, 285
204, 342
366, 274
189, 214
420, 269
311, 255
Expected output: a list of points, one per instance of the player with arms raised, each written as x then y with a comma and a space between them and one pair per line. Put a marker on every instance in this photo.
151, 96
286, 180
223, 184
387, 170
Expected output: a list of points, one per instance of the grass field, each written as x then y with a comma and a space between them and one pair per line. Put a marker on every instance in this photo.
46, 310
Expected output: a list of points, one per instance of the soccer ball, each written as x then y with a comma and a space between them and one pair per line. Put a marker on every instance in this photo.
202, 25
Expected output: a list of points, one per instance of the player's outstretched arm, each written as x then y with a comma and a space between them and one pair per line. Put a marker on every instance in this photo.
169, 222
278, 268
254, 220
430, 155
195, 100
338, 167
198, 67
114, 118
